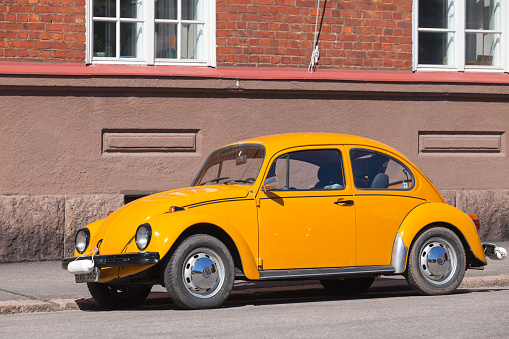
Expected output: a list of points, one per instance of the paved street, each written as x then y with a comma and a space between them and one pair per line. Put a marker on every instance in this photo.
256, 309
465, 314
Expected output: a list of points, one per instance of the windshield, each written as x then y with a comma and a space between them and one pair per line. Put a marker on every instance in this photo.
231, 165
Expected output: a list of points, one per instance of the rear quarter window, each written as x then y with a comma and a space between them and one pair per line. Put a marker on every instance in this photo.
378, 171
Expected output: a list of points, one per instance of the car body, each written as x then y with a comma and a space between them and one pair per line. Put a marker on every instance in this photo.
339, 208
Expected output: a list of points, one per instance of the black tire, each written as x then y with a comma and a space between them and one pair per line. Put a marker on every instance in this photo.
436, 263
196, 260
348, 286
119, 296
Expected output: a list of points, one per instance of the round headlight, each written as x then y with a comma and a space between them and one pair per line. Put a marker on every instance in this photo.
143, 235
82, 239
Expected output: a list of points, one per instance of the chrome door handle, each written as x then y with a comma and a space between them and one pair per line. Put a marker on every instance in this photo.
344, 202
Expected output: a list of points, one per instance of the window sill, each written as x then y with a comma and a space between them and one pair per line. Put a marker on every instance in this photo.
140, 62
253, 73
476, 69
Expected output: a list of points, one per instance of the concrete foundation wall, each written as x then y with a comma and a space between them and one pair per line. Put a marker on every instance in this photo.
43, 227
72, 146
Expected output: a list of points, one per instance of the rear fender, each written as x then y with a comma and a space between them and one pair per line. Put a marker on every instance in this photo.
426, 215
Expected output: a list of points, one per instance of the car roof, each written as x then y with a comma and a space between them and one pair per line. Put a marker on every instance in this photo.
275, 143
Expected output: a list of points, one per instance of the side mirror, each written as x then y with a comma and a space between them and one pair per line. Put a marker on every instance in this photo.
270, 184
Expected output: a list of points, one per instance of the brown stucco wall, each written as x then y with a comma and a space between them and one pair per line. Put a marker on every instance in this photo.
53, 129
74, 141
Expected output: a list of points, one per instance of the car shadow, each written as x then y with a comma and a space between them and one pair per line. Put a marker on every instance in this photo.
293, 294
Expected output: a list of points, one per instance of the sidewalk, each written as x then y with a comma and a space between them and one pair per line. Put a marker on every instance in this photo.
45, 286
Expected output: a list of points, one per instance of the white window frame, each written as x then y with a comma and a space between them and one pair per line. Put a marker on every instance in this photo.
148, 19
459, 47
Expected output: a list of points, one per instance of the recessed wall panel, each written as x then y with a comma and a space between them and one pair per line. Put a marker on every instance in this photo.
148, 141
460, 142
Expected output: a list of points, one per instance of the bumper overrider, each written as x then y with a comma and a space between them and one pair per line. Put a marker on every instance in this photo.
114, 260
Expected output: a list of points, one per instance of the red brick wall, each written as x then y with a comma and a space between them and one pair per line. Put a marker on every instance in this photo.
42, 30
355, 34
358, 34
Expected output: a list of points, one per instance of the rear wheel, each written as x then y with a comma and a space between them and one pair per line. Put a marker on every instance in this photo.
349, 286
436, 264
200, 273
119, 296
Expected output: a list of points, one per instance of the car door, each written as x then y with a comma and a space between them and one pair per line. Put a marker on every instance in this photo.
384, 188
308, 219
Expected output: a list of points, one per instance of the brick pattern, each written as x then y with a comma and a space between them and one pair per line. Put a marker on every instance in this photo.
42, 30
355, 34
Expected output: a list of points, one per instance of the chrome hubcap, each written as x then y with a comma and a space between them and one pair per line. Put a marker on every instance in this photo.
438, 261
203, 273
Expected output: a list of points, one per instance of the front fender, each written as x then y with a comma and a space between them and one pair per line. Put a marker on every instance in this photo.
433, 213
169, 226
92, 227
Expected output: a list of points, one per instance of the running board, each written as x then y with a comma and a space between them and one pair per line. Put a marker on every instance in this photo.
317, 273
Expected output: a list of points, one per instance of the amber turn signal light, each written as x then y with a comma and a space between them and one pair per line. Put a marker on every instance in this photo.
175, 209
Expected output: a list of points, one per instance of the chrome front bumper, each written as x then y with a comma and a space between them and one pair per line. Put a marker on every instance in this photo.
494, 252
118, 260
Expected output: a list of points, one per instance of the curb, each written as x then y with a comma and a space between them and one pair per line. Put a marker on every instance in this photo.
52, 305
487, 281
242, 294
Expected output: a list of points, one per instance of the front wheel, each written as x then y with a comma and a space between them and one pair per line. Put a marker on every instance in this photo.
119, 296
436, 264
200, 273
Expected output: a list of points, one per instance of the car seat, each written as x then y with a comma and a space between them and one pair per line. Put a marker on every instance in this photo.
328, 175
381, 180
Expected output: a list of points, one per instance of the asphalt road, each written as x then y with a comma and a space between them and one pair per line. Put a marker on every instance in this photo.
467, 313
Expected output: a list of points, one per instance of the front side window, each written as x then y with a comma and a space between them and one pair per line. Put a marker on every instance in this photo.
373, 170
309, 170
151, 31
460, 35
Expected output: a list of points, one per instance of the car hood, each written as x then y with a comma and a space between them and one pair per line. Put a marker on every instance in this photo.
119, 228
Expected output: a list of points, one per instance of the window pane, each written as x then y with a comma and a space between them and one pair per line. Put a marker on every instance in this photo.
303, 175
105, 8
166, 41
279, 169
315, 169
436, 48
192, 42
192, 9
376, 171
131, 8
483, 14
482, 49
166, 9
104, 39
130, 40
235, 165
436, 13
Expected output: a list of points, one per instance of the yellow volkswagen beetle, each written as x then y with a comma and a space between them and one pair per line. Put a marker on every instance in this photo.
338, 208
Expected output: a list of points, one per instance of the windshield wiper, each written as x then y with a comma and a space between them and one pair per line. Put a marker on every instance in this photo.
214, 180
246, 181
